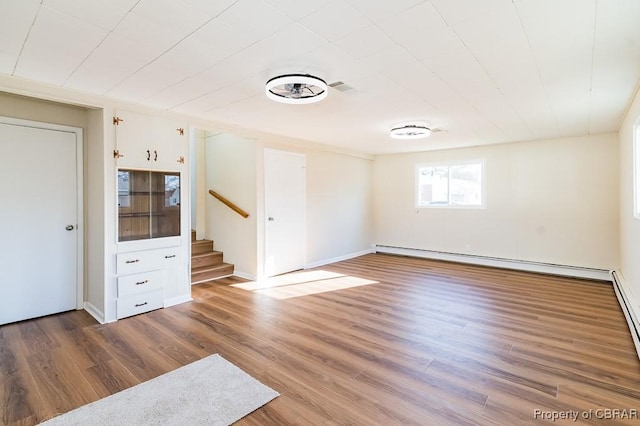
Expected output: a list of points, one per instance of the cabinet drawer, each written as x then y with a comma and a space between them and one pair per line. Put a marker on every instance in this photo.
139, 303
140, 283
147, 260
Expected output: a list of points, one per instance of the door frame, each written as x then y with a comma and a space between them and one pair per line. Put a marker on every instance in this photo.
78, 132
265, 201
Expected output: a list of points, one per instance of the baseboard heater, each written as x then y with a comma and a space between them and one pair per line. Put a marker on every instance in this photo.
497, 262
627, 305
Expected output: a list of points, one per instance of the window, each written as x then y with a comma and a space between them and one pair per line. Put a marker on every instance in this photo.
452, 185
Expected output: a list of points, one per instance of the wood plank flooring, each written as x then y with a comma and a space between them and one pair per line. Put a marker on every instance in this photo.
379, 339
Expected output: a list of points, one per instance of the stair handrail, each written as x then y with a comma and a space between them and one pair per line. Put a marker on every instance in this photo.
229, 204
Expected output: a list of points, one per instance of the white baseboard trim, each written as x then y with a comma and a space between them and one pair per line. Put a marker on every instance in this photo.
520, 265
338, 259
211, 279
94, 312
177, 300
629, 307
245, 275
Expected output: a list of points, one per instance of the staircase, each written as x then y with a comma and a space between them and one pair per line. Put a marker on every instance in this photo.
206, 263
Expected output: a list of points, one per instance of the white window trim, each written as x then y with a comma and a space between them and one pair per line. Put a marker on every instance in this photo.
416, 185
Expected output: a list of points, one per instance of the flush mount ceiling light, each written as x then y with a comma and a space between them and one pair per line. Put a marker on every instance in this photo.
410, 131
296, 89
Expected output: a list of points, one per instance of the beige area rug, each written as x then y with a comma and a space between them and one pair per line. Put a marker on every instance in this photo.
211, 391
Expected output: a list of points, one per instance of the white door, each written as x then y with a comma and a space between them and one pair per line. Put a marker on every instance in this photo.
38, 222
285, 212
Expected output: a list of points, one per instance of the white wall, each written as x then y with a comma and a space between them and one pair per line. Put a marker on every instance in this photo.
629, 226
339, 206
339, 202
231, 172
552, 201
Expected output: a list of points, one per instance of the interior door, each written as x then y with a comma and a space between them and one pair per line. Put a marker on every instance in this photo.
285, 211
39, 222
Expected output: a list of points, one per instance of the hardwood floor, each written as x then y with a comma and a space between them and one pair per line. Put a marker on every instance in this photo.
395, 341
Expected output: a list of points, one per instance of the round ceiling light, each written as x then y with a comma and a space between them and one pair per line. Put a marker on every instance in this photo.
410, 131
296, 89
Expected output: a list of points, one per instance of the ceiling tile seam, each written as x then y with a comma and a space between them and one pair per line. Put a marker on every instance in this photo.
26, 38
110, 32
535, 61
271, 5
350, 2
394, 41
593, 60
200, 72
419, 61
231, 103
490, 77
209, 68
171, 48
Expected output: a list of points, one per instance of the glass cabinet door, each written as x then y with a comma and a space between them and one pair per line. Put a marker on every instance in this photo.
148, 204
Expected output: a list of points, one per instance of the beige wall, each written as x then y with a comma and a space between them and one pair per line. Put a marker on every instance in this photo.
629, 226
339, 202
40, 110
551, 201
339, 206
231, 172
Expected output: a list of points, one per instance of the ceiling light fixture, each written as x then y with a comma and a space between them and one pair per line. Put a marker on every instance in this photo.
296, 89
410, 131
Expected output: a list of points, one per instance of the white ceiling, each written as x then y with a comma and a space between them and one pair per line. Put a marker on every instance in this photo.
486, 71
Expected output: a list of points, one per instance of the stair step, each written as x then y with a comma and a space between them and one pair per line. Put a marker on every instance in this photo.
211, 258
208, 273
201, 246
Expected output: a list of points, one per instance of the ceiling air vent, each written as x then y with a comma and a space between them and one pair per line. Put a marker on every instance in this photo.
340, 86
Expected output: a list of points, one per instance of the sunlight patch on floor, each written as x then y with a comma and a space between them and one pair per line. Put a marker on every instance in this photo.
304, 283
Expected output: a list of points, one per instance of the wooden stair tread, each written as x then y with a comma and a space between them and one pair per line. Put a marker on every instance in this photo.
206, 263
209, 253
201, 246
199, 269
199, 243
211, 258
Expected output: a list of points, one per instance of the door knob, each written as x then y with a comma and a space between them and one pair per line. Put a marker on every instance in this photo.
271, 219
69, 227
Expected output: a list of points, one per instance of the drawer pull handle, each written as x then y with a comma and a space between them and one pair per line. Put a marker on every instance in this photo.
132, 261
170, 256
142, 282
140, 304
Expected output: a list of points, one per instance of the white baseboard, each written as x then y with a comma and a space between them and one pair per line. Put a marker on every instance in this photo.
629, 306
211, 279
338, 259
521, 265
245, 275
94, 312
177, 300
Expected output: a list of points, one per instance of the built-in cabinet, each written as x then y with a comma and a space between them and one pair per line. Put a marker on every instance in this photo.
148, 204
143, 278
148, 142
152, 237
